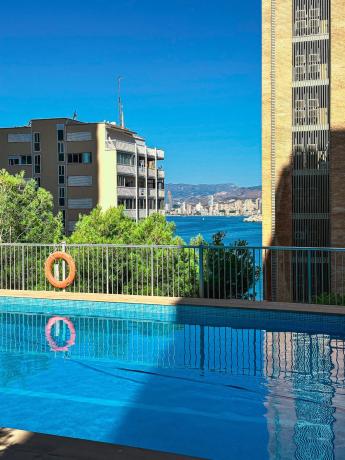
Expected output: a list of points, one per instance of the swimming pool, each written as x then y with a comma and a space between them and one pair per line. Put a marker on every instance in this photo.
210, 382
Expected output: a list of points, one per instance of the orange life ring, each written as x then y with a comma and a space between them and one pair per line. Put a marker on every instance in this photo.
70, 342
48, 269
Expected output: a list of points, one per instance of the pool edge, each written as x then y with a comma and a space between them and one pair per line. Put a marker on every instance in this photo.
160, 300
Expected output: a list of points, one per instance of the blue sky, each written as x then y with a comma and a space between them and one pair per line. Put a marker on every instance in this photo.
192, 75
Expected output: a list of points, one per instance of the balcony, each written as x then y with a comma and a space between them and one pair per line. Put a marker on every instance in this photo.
125, 169
161, 193
161, 174
125, 146
126, 191
151, 152
151, 172
132, 213
160, 154
152, 192
142, 192
141, 171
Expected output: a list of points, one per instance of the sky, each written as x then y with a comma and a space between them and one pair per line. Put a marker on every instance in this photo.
191, 68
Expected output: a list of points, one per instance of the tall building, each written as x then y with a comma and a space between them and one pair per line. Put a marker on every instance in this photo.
86, 164
303, 93
303, 123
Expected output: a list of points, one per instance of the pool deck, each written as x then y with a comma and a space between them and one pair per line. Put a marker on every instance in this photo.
25, 445
158, 300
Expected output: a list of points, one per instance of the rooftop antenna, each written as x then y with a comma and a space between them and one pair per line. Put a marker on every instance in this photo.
75, 115
120, 106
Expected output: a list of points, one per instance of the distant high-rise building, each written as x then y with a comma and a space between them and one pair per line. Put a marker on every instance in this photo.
86, 164
170, 201
303, 123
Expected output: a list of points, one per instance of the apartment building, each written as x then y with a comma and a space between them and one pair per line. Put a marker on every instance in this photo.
303, 124
86, 164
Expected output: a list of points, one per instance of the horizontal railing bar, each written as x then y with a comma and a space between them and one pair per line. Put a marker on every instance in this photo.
173, 246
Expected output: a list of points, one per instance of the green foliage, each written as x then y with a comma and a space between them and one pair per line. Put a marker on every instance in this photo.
330, 299
26, 212
113, 227
229, 272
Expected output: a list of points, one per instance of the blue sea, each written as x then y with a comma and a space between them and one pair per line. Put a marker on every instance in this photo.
235, 229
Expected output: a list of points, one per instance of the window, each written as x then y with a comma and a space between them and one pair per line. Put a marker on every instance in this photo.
61, 174
37, 142
63, 212
37, 164
301, 27
61, 151
13, 160
314, 13
301, 14
127, 203
85, 158
125, 181
60, 134
62, 196
314, 26
299, 111
126, 159
313, 111
25, 160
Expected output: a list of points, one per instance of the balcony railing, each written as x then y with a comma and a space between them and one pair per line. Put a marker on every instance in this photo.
127, 191
125, 169
282, 274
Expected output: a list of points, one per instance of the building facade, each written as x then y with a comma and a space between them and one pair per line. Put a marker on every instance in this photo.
86, 164
303, 124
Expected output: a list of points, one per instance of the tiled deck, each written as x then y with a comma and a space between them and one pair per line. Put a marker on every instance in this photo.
24, 445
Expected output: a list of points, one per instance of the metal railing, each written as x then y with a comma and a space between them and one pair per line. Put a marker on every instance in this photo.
283, 274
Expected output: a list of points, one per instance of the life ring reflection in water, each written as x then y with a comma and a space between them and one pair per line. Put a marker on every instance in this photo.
48, 332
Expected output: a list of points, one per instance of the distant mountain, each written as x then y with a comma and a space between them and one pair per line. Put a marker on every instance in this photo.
191, 193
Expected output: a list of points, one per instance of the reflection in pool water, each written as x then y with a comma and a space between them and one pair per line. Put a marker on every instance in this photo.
197, 381
58, 326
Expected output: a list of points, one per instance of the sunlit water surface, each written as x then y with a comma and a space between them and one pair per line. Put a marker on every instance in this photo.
208, 382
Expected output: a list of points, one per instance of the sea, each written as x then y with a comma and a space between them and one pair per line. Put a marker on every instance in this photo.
234, 227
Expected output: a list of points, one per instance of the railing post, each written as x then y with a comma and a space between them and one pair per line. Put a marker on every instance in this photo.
23, 266
152, 289
309, 278
63, 249
201, 271
107, 267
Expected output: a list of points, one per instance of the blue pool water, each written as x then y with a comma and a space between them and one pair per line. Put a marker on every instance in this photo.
209, 382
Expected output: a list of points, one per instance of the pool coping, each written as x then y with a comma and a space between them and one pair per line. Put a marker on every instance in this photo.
21, 444
160, 300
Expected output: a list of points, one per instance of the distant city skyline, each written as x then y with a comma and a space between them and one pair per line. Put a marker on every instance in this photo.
191, 82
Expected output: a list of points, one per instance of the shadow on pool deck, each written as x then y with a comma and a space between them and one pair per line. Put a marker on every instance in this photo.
24, 445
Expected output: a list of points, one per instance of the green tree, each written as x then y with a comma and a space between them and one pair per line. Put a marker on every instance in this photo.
26, 212
145, 268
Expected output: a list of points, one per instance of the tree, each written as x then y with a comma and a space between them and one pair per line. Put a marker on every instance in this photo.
111, 226
26, 212
229, 271
144, 268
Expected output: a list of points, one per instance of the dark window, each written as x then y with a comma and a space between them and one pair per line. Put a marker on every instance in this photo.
62, 196
61, 174
85, 157
60, 134
37, 164
25, 160
13, 161
37, 142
